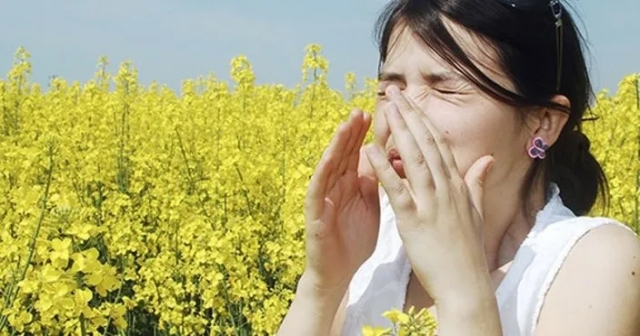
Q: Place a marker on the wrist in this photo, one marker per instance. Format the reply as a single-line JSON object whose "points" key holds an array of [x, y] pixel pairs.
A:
{"points": [[472, 282], [468, 293], [474, 310], [310, 287], [313, 309], [466, 303]]}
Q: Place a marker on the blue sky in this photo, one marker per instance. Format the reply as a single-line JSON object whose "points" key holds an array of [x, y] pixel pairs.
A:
{"points": [[173, 40]]}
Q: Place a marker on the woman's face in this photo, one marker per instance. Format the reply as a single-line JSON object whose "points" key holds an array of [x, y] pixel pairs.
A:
{"points": [[473, 123]]}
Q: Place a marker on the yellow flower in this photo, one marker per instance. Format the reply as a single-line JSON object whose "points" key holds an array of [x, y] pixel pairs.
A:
{"points": [[181, 211], [103, 279], [60, 252], [86, 261], [407, 324], [396, 316], [372, 331], [19, 321]]}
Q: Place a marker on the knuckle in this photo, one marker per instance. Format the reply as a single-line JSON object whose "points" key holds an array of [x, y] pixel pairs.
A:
{"points": [[462, 187], [441, 139], [429, 139], [404, 202], [419, 159], [422, 212], [398, 189], [329, 164]]}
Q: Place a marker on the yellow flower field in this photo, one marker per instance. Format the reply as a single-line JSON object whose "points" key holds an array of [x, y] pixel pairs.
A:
{"points": [[141, 211]]}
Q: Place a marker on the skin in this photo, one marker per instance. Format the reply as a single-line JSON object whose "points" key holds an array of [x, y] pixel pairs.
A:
{"points": [[474, 125], [455, 193]]}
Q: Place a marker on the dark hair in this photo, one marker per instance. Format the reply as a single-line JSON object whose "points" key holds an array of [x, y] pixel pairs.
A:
{"points": [[525, 44]]}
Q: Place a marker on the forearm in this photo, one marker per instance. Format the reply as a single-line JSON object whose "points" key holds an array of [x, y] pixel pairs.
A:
{"points": [[312, 311], [469, 314]]}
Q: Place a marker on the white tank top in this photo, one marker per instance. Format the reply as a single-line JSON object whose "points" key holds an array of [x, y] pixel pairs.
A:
{"points": [[381, 282]]}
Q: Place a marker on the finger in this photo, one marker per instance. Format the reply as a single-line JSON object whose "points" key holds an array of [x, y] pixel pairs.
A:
{"points": [[448, 162], [398, 193], [342, 154], [369, 183], [355, 123], [318, 183], [475, 180], [355, 151], [413, 159], [427, 142]]}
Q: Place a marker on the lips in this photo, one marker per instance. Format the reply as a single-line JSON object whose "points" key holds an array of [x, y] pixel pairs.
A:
{"points": [[393, 154], [396, 162]]}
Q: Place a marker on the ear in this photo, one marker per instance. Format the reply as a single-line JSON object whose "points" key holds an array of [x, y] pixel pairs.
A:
{"points": [[548, 123]]}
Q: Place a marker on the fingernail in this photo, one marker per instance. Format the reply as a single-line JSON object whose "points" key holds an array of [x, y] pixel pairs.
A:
{"points": [[491, 163], [393, 91]]}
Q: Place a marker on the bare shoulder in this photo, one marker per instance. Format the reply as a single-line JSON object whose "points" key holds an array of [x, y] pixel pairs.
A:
{"points": [[597, 290]]}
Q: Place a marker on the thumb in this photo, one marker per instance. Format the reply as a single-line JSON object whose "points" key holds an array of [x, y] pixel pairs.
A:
{"points": [[369, 183], [364, 166], [475, 178]]}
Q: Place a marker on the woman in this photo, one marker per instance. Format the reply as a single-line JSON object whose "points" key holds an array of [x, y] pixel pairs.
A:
{"points": [[485, 182]]}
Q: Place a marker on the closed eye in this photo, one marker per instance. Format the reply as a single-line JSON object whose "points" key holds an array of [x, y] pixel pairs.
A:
{"points": [[447, 91], [464, 90]]}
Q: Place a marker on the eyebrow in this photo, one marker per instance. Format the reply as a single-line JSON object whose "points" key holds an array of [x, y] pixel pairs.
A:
{"points": [[386, 76], [430, 77]]}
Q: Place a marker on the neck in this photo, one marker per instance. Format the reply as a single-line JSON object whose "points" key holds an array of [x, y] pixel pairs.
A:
{"points": [[506, 223]]}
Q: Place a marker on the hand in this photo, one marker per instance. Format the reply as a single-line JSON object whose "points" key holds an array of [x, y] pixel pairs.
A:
{"points": [[342, 210], [439, 214]]}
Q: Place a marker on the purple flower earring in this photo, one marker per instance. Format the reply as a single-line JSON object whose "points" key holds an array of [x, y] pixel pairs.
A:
{"points": [[538, 148]]}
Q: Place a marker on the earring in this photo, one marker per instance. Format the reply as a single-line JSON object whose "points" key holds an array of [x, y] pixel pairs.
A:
{"points": [[538, 148]]}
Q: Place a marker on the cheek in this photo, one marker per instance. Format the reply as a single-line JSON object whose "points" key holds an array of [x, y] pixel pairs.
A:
{"points": [[468, 135], [472, 139], [462, 145]]}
